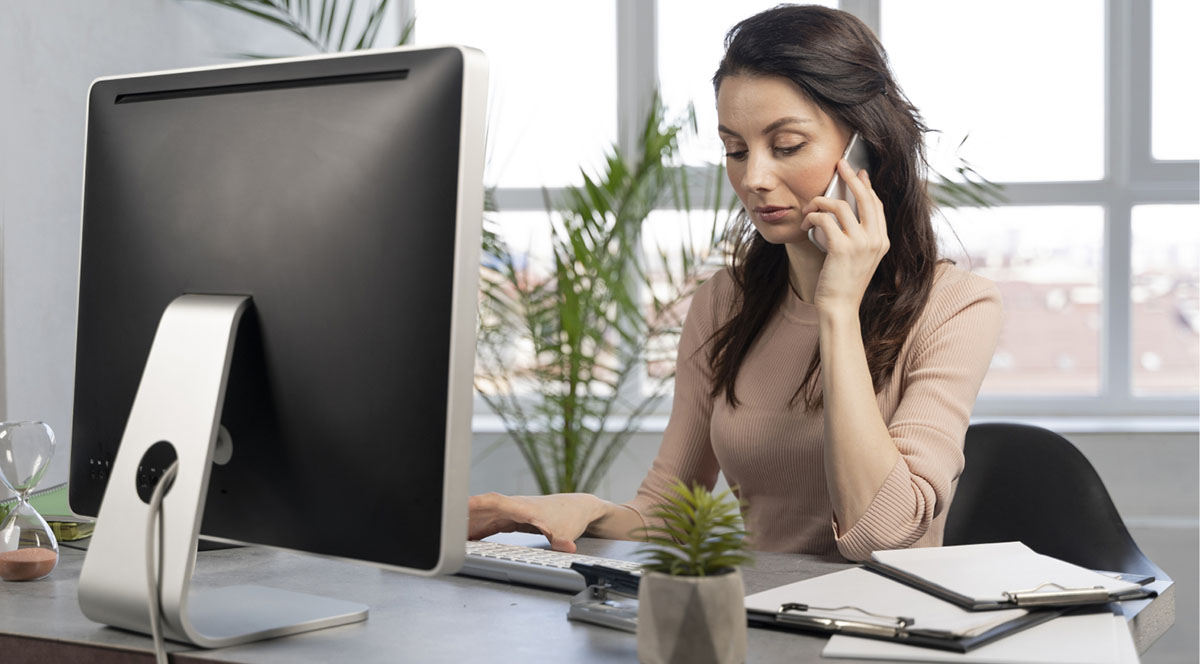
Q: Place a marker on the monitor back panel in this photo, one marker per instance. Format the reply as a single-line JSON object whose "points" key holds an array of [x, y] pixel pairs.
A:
{"points": [[325, 189]]}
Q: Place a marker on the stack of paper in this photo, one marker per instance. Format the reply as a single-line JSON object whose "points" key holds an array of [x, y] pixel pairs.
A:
{"points": [[856, 597], [997, 603], [1003, 574], [1098, 638]]}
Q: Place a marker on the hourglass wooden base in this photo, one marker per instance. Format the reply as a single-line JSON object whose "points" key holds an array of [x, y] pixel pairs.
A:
{"points": [[179, 401]]}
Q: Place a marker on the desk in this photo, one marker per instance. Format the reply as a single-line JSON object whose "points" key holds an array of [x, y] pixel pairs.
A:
{"points": [[413, 619]]}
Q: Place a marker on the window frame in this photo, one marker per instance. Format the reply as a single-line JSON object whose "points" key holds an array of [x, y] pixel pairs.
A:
{"points": [[1132, 177]]}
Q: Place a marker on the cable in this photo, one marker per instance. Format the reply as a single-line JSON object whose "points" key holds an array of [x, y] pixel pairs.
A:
{"points": [[152, 570]]}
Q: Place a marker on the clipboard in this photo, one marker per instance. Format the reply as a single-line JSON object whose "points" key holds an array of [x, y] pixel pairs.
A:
{"points": [[860, 602], [1084, 636], [1002, 575]]}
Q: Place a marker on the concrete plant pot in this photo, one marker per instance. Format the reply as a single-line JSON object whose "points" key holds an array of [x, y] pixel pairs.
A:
{"points": [[691, 619]]}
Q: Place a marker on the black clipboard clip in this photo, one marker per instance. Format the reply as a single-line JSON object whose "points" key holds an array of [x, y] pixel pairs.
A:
{"points": [[610, 598]]}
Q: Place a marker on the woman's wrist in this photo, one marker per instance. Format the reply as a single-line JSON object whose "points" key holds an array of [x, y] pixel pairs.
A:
{"points": [[613, 521], [834, 318]]}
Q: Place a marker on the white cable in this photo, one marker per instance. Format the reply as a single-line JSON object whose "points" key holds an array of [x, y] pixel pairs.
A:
{"points": [[152, 570]]}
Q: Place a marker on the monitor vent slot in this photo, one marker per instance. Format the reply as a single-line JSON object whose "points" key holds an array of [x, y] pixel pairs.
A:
{"points": [[160, 95]]}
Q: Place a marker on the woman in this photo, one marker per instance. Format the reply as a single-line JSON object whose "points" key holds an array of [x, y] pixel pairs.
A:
{"points": [[832, 389]]}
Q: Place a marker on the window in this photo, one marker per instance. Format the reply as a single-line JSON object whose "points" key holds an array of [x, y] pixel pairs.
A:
{"points": [[527, 235], [1046, 263], [1165, 295], [1027, 114], [691, 38], [668, 230], [1175, 134], [553, 71], [1087, 125], [1095, 248]]}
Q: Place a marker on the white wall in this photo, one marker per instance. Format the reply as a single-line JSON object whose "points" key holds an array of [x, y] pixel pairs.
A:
{"points": [[51, 50], [3, 372]]}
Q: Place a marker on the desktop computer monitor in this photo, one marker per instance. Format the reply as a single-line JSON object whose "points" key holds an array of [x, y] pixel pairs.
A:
{"points": [[336, 201]]}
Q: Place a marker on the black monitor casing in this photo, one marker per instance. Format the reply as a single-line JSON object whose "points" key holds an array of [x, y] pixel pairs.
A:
{"points": [[343, 195]]}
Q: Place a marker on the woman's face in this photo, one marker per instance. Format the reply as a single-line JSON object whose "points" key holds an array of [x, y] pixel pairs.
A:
{"points": [[781, 151]]}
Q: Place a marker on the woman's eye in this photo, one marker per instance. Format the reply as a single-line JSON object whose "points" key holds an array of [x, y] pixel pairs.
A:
{"points": [[736, 155], [788, 149]]}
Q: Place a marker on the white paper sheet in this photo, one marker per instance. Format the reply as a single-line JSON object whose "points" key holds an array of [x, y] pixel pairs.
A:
{"points": [[1100, 638], [985, 572], [869, 591]]}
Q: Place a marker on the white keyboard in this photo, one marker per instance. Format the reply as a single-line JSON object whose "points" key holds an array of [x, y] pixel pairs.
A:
{"points": [[533, 566]]}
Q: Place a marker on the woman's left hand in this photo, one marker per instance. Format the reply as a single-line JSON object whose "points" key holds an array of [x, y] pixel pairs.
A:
{"points": [[856, 244]]}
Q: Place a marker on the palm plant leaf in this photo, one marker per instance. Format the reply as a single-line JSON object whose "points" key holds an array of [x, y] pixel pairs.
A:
{"points": [[585, 319], [333, 26], [971, 189]]}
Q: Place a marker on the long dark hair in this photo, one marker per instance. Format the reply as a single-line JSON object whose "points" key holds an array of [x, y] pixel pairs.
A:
{"points": [[840, 65]]}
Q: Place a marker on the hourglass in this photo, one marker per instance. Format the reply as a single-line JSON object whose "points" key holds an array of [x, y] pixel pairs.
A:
{"points": [[28, 549]]}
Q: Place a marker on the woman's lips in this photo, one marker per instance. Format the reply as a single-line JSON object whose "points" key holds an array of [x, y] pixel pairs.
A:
{"points": [[771, 213]]}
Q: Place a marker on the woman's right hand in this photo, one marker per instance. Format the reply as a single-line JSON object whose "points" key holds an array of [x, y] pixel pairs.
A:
{"points": [[561, 517]]}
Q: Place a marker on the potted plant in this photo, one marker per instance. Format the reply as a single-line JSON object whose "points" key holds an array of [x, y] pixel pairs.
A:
{"points": [[690, 598], [598, 325]]}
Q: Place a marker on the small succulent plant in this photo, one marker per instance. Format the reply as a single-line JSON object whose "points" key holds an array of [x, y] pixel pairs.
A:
{"points": [[700, 533]]}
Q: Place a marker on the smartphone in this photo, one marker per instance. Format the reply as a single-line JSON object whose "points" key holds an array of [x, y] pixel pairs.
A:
{"points": [[856, 154]]}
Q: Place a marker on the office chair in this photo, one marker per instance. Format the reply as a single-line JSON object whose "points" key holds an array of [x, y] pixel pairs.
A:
{"points": [[1029, 484]]}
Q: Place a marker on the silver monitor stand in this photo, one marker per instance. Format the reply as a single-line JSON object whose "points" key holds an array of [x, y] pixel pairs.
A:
{"points": [[179, 400]]}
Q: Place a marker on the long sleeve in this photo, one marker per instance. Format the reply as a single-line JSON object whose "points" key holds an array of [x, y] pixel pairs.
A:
{"points": [[772, 448], [939, 381], [686, 452]]}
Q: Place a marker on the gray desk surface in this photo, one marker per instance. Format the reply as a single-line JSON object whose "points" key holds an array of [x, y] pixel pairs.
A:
{"points": [[443, 619]]}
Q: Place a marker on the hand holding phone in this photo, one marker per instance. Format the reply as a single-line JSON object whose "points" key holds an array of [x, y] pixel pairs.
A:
{"points": [[856, 155]]}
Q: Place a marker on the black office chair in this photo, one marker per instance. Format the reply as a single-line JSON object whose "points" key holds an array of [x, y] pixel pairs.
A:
{"points": [[1024, 483]]}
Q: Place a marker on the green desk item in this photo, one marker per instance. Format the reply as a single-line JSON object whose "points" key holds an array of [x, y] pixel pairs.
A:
{"points": [[69, 529]]}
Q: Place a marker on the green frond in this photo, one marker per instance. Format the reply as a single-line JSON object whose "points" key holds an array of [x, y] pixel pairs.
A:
{"points": [[587, 323], [696, 533], [333, 25]]}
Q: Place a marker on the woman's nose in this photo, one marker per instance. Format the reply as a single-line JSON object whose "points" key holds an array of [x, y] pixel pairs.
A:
{"points": [[759, 175]]}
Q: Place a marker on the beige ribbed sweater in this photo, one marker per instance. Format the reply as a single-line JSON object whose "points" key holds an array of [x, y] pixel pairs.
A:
{"points": [[773, 452]]}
